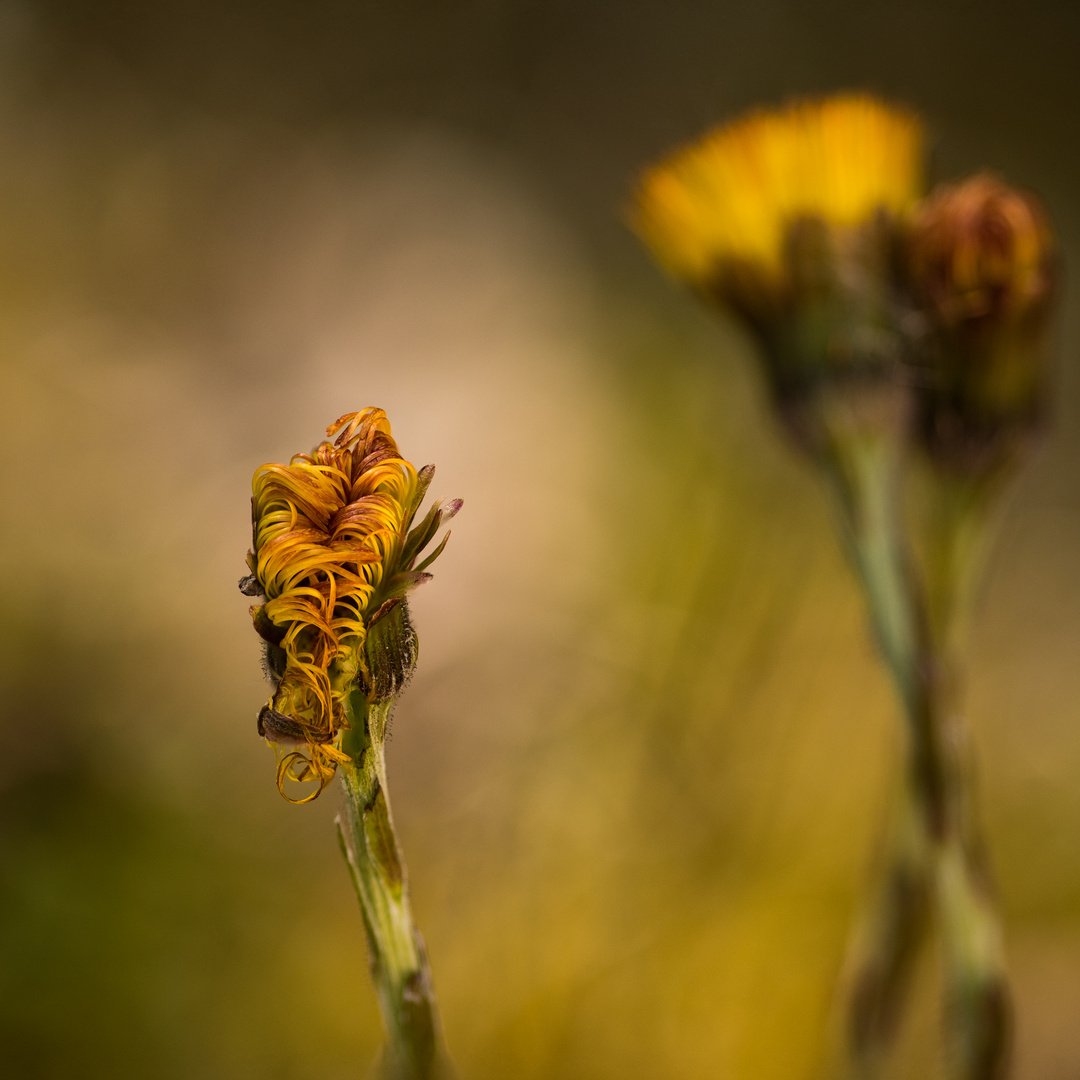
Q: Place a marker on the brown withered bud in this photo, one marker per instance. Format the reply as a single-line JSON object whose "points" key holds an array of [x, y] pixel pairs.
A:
{"points": [[980, 264]]}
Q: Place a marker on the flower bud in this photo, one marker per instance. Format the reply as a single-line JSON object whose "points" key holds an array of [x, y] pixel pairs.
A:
{"points": [[980, 264], [334, 554]]}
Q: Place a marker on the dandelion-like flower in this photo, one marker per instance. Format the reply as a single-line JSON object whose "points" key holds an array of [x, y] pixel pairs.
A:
{"points": [[789, 218], [334, 555], [730, 199]]}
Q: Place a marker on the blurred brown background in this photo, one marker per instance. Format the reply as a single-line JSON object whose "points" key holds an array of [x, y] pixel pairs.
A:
{"points": [[641, 770]]}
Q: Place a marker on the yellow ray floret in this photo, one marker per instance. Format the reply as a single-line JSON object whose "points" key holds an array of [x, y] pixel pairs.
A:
{"points": [[732, 195], [330, 544]]}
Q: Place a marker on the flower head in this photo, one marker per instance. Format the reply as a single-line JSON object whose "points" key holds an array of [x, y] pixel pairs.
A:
{"points": [[730, 199], [332, 555], [980, 263], [789, 218]]}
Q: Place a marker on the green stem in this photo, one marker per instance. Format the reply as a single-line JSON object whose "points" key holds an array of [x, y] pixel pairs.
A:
{"points": [[977, 996], [891, 940], [959, 533], [976, 984], [935, 860], [863, 471], [862, 468], [399, 965]]}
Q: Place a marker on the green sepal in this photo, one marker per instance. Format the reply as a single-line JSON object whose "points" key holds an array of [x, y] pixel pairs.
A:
{"points": [[423, 482], [432, 557], [421, 535], [441, 511], [404, 582]]}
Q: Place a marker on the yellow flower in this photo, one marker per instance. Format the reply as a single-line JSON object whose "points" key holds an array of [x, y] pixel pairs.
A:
{"points": [[332, 553], [729, 200]]}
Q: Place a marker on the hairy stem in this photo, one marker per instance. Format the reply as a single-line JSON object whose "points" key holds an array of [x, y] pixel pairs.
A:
{"points": [[399, 966]]}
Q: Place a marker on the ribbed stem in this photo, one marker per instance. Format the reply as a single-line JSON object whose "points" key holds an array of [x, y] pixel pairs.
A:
{"points": [[399, 966]]}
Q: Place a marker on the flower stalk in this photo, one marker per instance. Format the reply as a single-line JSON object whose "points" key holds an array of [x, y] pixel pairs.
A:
{"points": [[805, 222], [936, 863], [399, 965], [335, 553]]}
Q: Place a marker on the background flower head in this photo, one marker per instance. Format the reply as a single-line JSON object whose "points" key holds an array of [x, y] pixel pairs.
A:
{"points": [[731, 197]]}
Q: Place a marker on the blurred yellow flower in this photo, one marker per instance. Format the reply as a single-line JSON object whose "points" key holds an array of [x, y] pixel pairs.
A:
{"points": [[731, 197], [331, 551]]}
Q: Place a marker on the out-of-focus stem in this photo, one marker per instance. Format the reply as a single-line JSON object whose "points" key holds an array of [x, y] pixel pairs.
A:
{"points": [[936, 859], [862, 468], [980, 1018], [960, 531], [890, 941], [399, 965], [979, 1012]]}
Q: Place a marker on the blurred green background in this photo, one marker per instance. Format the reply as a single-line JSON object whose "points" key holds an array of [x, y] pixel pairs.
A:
{"points": [[641, 771]]}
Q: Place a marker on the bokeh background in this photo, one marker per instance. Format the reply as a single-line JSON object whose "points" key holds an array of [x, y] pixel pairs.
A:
{"points": [[641, 771]]}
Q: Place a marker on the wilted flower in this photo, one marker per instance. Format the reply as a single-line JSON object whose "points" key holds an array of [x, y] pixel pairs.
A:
{"points": [[980, 261], [333, 555], [789, 218]]}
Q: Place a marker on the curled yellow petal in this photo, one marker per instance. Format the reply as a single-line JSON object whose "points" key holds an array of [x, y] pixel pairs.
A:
{"points": [[328, 531]]}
